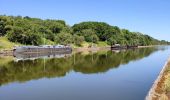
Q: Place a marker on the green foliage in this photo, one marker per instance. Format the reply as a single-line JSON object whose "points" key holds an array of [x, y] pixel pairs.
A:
{"points": [[4, 22], [54, 26], [78, 40], [101, 29], [6, 44], [64, 38], [17, 34], [31, 31], [102, 44], [89, 35], [115, 35], [2, 27]]}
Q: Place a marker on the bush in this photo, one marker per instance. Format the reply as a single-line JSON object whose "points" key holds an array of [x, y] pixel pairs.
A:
{"points": [[64, 38]]}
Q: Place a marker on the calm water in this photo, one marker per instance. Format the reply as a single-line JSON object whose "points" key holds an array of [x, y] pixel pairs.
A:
{"points": [[103, 75]]}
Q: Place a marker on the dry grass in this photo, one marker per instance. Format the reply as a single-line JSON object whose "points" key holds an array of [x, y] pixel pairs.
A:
{"points": [[163, 87]]}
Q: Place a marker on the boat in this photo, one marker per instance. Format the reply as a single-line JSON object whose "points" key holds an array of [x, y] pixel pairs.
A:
{"points": [[119, 47], [42, 49]]}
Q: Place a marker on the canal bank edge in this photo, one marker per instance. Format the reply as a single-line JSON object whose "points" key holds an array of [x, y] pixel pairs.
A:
{"points": [[156, 93], [79, 49]]}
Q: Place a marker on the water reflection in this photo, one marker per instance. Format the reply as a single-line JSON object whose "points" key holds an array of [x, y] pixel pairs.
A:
{"points": [[33, 56], [86, 63]]}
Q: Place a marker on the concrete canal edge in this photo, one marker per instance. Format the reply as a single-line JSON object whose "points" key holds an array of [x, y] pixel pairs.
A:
{"points": [[152, 92]]}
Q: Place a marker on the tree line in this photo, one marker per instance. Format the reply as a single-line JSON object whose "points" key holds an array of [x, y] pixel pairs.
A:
{"points": [[35, 31]]}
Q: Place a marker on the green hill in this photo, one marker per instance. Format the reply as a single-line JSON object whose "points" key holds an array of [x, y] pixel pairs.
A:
{"points": [[35, 31]]}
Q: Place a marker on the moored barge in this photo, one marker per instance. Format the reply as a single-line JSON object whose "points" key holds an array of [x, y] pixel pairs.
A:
{"points": [[42, 49], [119, 47]]}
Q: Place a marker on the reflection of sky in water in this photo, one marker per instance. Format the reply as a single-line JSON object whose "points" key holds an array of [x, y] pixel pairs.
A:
{"points": [[130, 81]]}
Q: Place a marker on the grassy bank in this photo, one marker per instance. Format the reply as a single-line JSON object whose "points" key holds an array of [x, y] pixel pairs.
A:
{"points": [[6, 44], [90, 44], [161, 87]]}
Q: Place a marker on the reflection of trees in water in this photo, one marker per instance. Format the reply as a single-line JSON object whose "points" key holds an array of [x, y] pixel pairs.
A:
{"points": [[102, 63], [90, 63]]}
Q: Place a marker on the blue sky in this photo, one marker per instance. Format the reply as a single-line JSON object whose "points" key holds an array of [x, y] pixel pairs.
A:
{"points": [[150, 17]]}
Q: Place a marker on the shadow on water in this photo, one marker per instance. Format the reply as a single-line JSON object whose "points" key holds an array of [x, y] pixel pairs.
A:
{"points": [[86, 63]]}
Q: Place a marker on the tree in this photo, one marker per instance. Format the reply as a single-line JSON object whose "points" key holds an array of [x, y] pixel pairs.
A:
{"points": [[64, 38], [17, 34], [90, 35], [27, 30], [54, 26], [78, 40], [2, 28]]}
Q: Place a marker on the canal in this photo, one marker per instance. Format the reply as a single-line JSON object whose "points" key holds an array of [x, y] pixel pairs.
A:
{"points": [[101, 75]]}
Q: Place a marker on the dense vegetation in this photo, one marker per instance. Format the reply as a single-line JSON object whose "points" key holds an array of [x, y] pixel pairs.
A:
{"points": [[34, 31]]}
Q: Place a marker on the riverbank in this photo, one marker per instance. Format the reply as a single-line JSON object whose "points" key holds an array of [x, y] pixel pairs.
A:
{"points": [[147, 46], [161, 87], [81, 49], [5, 44], [7, 52]]}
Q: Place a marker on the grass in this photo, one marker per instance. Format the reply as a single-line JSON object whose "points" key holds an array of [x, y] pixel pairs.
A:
{"points": [[87, 44], [102, 44], [6, 44], [163, 87], [48, 42], [166, 86]]}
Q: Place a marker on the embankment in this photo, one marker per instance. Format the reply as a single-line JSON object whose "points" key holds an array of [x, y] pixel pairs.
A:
{"points": [[79, 49], [160, 90], [82, 49]]}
